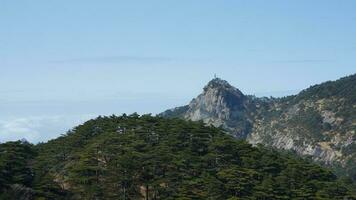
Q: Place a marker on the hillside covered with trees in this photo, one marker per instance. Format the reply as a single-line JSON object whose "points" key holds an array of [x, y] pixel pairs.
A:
{"points": [[145, 157]]}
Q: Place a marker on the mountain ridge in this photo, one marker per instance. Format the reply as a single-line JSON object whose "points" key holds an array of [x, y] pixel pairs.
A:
{"points": [[318, 122]]}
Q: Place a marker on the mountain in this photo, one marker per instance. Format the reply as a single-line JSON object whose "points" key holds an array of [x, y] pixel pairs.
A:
{"points": [[146, 157], [319, 121], [220, 105]]}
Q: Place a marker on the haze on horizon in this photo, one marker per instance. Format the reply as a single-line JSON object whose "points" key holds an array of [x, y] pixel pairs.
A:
{"points": [[64, 62]]}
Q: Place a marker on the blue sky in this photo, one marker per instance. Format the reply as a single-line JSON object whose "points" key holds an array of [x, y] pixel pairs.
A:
{"points": [[62, 62]]}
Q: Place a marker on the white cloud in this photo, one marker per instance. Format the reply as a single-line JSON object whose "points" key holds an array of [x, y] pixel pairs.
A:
{"points": [[39, 128]]}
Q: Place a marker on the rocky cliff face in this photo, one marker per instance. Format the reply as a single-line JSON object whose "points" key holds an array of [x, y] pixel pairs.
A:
{"points": [[319, 122], [307, 128], [221, 104]]}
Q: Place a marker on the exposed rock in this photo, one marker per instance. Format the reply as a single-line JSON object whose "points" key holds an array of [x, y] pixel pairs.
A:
{"points": [[318, 122], [220, 104]]}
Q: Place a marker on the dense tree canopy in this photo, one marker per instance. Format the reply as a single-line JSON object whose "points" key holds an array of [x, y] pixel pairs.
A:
{"points": [[145, 157]]}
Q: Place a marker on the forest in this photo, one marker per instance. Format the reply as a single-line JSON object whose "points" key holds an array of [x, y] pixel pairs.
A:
{"points": [[147, 157]]}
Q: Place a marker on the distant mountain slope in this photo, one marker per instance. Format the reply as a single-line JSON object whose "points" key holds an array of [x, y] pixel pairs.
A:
{"points": [[320, 121], [133, 157]]}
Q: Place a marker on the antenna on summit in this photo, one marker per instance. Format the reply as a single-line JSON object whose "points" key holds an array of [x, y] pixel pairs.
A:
{"points": [[215, 76]]}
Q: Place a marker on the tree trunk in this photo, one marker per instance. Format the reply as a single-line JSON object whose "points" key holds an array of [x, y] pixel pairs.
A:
{"points": [[147, 192]]}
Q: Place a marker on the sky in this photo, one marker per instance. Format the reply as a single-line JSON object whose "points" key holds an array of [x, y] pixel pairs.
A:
{"points": [[63, 62]]}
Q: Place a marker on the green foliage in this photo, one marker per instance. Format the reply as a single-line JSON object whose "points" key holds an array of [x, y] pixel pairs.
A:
{"points": [[343, 88], [311, 122], [16, 174], [145, 157]]}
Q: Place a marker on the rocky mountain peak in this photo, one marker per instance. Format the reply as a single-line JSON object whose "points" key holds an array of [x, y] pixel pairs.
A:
{"points": [[219, 87], [223, 86], [217, 82], [220, 102]]}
